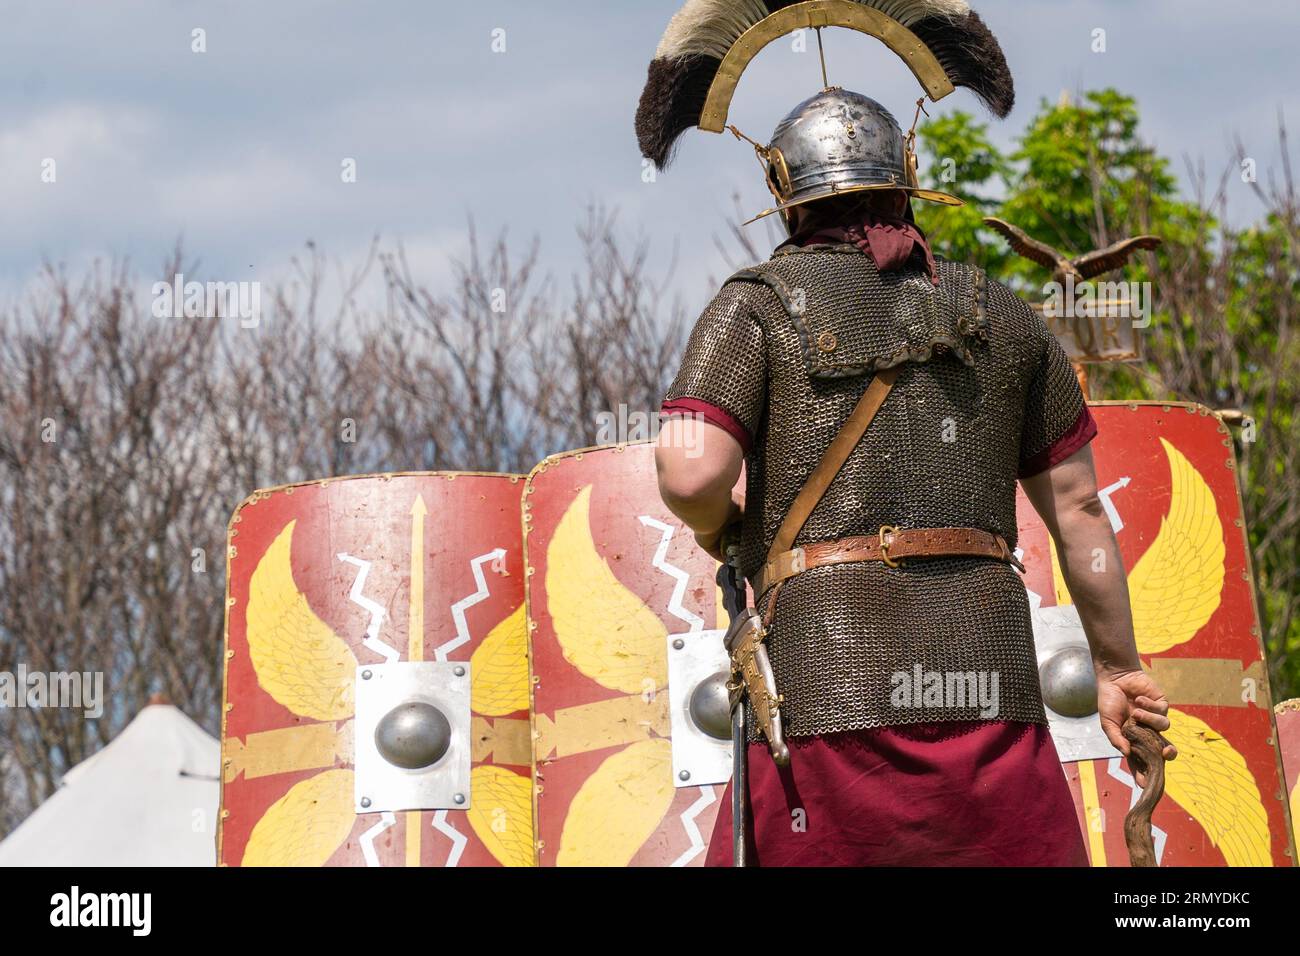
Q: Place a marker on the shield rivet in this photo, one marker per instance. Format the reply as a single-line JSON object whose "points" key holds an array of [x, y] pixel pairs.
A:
{"points": [[459, 671], [684, 776], [365, 801], [366, 675], [710, 706], [459, 798], [413, 735], [678, 644]]}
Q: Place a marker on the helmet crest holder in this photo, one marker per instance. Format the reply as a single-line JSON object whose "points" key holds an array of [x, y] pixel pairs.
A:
{"points": [[710, 43]]}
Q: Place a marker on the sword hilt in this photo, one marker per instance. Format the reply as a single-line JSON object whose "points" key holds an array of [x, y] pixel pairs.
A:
{"points": [[730, 580]]}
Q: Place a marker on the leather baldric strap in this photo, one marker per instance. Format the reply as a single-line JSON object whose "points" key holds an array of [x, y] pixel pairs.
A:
{"points": [[837, 454], [841, 447], [893, 546]]}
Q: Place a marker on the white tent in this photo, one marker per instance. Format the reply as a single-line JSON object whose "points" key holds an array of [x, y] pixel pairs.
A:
{"points": [[147, 799]]}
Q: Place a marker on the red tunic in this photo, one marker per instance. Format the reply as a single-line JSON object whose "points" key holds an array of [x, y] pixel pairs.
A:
{"points": [[986, 793]]}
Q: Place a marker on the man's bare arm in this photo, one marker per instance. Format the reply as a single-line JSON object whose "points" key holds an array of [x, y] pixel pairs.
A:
{"points": [[1065, 497], [698, 465]]}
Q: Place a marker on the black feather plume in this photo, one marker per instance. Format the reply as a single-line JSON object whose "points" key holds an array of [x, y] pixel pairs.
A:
{"points": [[671, 103], [969, 53], [678, 82]]}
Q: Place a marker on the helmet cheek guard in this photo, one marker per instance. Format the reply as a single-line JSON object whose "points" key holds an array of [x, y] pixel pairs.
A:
{"points": [[778, 183]]}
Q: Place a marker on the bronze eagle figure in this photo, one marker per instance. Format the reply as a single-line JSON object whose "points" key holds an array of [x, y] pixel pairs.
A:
{"points": [[1081, 267]]}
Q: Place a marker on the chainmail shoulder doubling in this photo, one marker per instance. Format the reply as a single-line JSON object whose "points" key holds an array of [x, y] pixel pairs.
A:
{"points": [[864, 645]]}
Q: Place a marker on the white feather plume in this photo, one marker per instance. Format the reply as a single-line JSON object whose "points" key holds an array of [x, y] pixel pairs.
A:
{"points": [[713, 26], [708, 26]]}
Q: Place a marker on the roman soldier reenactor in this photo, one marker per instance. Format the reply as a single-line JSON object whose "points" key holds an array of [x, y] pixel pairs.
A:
{"points": [[884, 402]]}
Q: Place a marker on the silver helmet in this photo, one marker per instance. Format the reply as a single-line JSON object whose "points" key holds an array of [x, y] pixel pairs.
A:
{"points": [[839, 142]]}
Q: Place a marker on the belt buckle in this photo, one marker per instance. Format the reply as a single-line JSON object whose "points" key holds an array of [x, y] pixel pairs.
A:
{"points": [[884, 547]]}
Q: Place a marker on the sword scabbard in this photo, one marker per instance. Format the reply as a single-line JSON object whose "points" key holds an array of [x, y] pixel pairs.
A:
{"points": [[752, 677]]}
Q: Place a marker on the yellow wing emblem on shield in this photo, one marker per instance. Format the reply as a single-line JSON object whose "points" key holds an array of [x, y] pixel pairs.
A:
{"points": [[1177, 584], [1212, 782], [501, 814], [299, 660], [604, 629], [499, 666], [306, 825], [619, 806]]}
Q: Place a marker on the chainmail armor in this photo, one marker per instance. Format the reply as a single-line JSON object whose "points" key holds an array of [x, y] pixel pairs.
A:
{"points": [[787, 348]]}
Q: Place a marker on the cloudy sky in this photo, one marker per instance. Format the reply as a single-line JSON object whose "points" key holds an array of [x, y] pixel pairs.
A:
{"points": [[237, 151]]}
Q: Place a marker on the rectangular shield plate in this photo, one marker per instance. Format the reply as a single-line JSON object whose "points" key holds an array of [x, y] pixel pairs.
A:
{"points": [[1076, 738], [380, 688], [698, 759]]}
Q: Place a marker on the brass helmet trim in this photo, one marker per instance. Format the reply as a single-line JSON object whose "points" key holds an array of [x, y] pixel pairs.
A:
{"points": [[930, 195], [815, 14], [840, 142], [778, 175]]}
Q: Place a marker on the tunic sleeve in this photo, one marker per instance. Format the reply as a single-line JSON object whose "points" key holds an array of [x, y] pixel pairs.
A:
{"points": [[1057, 422], [723, 375]]}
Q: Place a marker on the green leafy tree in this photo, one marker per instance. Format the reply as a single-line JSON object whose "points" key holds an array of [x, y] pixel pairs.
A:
{"points": [[959, 158]]}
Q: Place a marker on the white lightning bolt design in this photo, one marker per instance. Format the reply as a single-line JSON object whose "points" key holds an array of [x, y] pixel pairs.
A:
{"points": [[458, 609], [1116, 522], [675, 606], [376, 610], [457, 838], [706, 799], [367, 840]]}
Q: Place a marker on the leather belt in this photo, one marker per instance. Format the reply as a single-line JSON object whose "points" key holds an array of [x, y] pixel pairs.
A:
{"points": [[893, 546]]}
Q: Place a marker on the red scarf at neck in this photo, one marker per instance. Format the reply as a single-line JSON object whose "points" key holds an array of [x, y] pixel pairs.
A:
{"points": [[888, 240]]}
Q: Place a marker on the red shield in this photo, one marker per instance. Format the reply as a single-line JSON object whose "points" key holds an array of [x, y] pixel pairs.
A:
{"points": [[594, 522], [321, 580], [1169, 481], [327, 576], [611, 574]]}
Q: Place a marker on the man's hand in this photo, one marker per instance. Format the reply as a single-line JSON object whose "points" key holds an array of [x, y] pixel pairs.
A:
{"points": [[711, 541], [1066, 498], [1132, 694]]}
